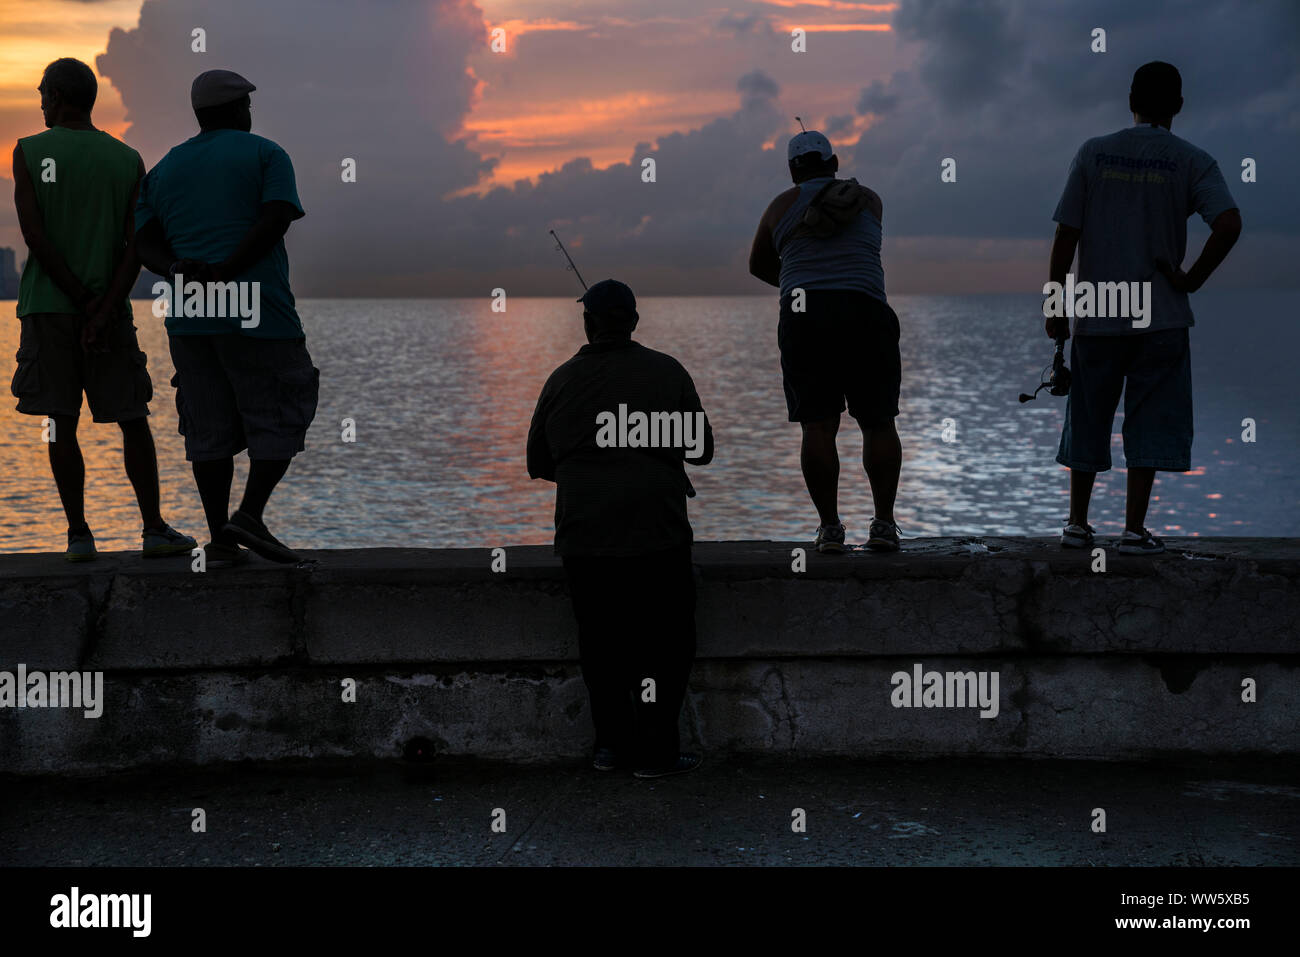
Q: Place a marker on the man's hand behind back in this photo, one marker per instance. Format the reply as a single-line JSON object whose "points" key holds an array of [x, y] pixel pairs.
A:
{"points": [[1177, 278]]}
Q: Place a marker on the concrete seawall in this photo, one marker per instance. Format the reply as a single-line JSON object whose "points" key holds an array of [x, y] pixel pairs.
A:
{"points": [[1147, 658]]}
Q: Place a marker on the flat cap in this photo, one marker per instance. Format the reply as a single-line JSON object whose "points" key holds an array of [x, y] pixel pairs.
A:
{"points": [[216, 87]]}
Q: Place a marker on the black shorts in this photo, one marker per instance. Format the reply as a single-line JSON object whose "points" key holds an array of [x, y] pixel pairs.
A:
{"points": [[843, 349]]}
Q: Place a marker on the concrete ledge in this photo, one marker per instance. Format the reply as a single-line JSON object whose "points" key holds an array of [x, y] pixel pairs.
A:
{"points": [[1147, 657]]}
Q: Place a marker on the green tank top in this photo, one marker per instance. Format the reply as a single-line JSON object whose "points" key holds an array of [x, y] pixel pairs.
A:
{"points": [[85, 197]]}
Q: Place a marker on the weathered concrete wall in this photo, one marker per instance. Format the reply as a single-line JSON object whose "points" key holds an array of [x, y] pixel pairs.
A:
{"points": [[1145, 658]]}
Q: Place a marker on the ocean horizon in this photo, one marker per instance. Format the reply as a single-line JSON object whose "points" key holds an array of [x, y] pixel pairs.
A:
{"points": [[440, 393]]}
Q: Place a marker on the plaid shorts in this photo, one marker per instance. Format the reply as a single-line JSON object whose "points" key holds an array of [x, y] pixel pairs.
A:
{"points": [[238, 392]]}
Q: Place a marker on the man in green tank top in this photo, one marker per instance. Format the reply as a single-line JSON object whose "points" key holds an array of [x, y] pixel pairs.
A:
{"points": [[74, 190]]}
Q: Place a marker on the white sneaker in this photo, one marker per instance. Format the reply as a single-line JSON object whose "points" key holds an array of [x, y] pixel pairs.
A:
{"points": [[1077, 536]]}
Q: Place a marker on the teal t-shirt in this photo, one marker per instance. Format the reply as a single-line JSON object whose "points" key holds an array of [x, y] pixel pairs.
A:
{"points": [[207, 193]]}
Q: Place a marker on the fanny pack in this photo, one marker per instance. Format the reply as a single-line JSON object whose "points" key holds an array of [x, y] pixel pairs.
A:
{"points": [[836, 204]]}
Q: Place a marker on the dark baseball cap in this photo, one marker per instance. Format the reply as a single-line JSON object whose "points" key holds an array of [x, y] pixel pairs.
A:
{"points": [[609, 295]]}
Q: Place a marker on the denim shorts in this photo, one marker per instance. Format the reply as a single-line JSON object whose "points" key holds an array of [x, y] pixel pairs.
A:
{"points": [[1153, 370], [235, 392]]}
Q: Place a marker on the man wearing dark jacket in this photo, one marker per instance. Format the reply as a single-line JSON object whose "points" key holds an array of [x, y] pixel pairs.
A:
{"points": [[613, 428]]}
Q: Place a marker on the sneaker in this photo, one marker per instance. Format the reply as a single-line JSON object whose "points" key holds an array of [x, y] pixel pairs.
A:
{"points": [[81, 546], [217, 555], [165, 541], [684, 763], [606, 759], [883, 536], [1145, 544], [1076, 536], [830, 538], [249, 531]]}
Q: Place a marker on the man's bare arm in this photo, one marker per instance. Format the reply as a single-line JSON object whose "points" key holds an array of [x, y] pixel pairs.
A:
{"points": [[102, 308], [1224, 232], [272, 223], [1063, 247], [128, 269], [152, 249], [764, 263], [32, 226]]}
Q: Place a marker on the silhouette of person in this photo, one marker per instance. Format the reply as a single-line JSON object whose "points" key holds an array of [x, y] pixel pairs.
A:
{"points": [[621, 527], [74, 189], [819, 243], [215, 210], [1127, 198]]}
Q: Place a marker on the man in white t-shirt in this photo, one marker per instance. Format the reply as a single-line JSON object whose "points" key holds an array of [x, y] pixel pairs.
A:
{"points": [[1127, 199]]}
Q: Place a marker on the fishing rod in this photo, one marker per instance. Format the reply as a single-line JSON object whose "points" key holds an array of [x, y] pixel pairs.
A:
{"points": [[560, 246]]}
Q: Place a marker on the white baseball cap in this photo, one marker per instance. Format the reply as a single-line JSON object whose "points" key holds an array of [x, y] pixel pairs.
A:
{"points": [[809, 141]]}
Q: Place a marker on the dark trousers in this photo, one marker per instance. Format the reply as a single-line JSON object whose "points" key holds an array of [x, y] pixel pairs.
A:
{"points": [[636, 620]]}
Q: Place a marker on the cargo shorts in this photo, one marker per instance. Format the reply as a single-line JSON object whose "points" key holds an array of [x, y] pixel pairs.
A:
{"points": [[54, 371], [236, 392]]}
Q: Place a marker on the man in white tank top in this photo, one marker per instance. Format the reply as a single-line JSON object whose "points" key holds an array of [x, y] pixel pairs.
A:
{"points": [[819, 243]]}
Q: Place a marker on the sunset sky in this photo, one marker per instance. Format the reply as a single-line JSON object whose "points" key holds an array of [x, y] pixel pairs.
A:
{"points": [[466, 156]]}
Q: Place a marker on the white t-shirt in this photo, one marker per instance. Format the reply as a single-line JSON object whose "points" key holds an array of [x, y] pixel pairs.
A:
{"points": [[1131, 194]]}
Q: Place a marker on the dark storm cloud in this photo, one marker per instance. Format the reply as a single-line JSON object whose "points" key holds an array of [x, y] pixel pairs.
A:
{"points": [[1008, 89], [682, 232], [1011, 90], [875, 99], [387, 88], [757, 86], [743, 24]]}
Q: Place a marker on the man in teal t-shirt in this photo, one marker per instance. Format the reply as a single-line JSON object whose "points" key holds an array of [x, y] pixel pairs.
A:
{"points": [[74, 189], [212, 217]]}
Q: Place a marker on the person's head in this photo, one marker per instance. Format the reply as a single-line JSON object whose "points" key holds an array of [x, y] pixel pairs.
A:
{"points": [[609, 311], [221, 102], [1156, 95], [809, 155], [68, 89]]}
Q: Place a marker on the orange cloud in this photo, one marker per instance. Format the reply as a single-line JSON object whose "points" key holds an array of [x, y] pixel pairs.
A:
{"points": [[839, 27], [518, 27], [835, 5], [546, 134], [37, 32]]}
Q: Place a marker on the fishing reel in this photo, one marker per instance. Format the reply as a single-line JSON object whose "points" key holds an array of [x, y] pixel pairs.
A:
{"points": [[1057, 381]]}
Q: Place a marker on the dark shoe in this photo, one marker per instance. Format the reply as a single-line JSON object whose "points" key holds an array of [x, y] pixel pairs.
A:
{"points": [[249, 531], [81, 546], [606, 759], [883, 536], [684, 763], [216, 555], [830, 538], [1145, 544], [158, 542]]}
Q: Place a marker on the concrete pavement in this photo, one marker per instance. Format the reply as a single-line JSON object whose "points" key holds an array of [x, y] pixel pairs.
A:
{"points": [[733, 811]]}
